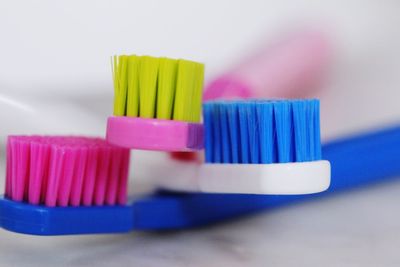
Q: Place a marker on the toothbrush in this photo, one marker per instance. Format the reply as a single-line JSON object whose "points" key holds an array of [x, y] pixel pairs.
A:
{"points": [[157, 104], [256, 147], [356, 161]]}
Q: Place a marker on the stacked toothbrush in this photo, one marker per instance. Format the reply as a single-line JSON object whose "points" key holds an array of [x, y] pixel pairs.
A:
{"points": [[256, 147]]}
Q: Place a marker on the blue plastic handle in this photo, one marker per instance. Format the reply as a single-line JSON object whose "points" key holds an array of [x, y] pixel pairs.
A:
{"points": [[355, 161]]}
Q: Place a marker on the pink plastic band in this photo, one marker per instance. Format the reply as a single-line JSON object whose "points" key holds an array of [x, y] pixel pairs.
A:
{"points": [[154, 134]]}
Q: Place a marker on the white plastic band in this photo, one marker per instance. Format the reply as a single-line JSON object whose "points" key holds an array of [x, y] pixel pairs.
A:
{"points": [[269, 179]]}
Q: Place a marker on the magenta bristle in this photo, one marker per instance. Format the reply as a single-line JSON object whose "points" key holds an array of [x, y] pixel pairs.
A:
{"points": [[8, 171], [103, 174], [66, 171], [90, 176]]}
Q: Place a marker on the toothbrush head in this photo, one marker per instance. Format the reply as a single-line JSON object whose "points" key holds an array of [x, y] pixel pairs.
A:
{"points": [[157, 103], [66, 171], [263, 147]]}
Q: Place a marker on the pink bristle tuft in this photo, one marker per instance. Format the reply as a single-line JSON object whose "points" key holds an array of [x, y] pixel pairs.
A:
{"points": [[90, 177], [102, 175], [64, 171], [39, 162], [114, 174], [8, 170], [77, 183]]}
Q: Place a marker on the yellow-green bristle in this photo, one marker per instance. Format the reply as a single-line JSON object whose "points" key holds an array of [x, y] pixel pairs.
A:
{"points": [[148, 74], [162, 88], [132, 105], [189, 84], [166, 87], [197, 92], [119, 66]]}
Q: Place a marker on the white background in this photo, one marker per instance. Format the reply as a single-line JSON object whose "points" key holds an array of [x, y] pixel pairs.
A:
{"points": [[55, 78]]}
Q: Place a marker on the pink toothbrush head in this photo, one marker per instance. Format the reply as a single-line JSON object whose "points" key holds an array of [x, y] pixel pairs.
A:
{"points": [[66, 170]]}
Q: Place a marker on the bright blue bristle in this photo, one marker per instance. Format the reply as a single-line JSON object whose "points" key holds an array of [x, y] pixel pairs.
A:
{"points": [[217, 134], [317, 131], [225, 135], [265, 114], [253, 132], [262, 131], [243, 133], [208, 132], [234, 135], [284, 130], [301, 116]]}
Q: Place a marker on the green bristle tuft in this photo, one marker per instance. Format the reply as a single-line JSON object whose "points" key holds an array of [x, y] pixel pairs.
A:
{"points": [[148, 74], [188, 91], [197, 92], [119, 65], [162, 88], [132, 108], [166, 87]]}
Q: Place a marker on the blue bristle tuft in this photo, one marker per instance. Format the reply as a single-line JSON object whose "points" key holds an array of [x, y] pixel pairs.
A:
{"points": [[208, 132], [216, 134], [225, 134], [243, 133], [234, 135], [253, 133], [317, 131], [265, 115], [284, 130], [302, 134], [262, 131]]}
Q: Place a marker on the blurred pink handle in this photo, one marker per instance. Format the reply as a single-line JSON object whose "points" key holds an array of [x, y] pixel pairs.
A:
{"points": [[289, 68]]}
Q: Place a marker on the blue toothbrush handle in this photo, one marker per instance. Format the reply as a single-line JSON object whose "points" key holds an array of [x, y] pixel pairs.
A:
{"points": [[355, 161], [363, 159]]}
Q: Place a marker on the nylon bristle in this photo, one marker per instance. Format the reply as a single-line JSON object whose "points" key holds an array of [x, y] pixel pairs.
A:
{"points": [[161, 88], [66, 171], [262, 131]]}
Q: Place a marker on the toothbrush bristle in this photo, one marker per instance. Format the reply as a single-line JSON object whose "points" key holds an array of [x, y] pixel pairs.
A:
{"points": [[262, 131], [66, 171], [161, 88]]}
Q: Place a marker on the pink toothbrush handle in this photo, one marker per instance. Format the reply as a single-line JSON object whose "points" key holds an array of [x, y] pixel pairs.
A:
{"points": [[289, 68]]}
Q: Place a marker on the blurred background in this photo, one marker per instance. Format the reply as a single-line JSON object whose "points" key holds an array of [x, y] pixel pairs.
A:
{"points": [[55, 77]]}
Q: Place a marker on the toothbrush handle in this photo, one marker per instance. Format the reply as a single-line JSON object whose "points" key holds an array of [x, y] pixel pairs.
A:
{"points": [[355, 161], [286, 69], [363, 159]]}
